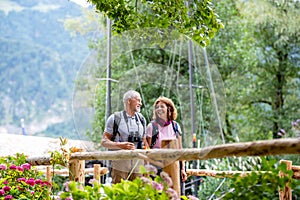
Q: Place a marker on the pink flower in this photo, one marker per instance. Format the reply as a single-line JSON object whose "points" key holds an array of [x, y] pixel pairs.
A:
{"points": [[5, 182], [2, 167], [19, 168], [8, 197], [91, 181], [157, 186], [172, 194], [6, 188], [13, 167], [2, 192], [26, 166], [21, 179], [145, 180], [167, 179], [30, 182], [67, 186], [151, 169], [164, 175], [38, 181], [46, 183], [294, 123]]}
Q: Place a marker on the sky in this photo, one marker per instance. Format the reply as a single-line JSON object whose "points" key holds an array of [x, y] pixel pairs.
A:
{"points": [[83, 3]]}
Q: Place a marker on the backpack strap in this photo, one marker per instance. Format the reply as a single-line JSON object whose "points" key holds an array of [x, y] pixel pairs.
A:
{"points": [[117, 119], [143, 121], [175, 128], [154, 133]]}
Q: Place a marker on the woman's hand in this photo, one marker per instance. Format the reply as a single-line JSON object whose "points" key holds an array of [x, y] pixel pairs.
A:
{"points": [[183, 175]]}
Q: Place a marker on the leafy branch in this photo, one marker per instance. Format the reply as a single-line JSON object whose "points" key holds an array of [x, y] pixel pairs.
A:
{"points": [[197, 20]]}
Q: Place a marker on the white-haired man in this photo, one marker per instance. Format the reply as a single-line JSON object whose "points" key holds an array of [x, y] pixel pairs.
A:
{"points": [[126, 130]]}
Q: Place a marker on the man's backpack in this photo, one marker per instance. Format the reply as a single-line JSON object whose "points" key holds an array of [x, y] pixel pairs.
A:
{"points": [[117, 119], [155, 132]]}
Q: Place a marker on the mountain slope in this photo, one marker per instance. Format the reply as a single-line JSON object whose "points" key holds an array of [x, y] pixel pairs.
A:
{"points": [[38, 65]]}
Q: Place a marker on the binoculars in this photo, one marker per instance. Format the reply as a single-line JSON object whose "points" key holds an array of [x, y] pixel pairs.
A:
{"points": [[134, 137]]}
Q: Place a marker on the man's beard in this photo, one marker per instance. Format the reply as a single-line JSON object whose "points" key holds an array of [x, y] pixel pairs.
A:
{"points": [[137, 109]]}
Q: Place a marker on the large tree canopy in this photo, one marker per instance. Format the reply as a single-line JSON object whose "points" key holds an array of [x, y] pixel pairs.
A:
{"points": [[258, 57], [195, 19]]}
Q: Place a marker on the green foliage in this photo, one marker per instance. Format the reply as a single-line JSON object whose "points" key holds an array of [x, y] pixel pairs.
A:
{"points": [[260, 185], [58, 160], [62, 156], [258, 58], [18, 180], [214, 187], [58, 183], [157, 188], [150, 89], [136, 189], [197, 20]]}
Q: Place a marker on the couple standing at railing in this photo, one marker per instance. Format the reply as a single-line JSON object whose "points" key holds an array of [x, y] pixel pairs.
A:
{"points": [[127, 130]]}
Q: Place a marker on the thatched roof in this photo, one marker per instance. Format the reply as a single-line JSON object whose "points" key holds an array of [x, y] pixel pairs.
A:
{"points": [[10, 144]]}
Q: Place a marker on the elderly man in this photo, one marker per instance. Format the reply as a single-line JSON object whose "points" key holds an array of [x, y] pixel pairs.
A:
{"points": [[126, 130]]}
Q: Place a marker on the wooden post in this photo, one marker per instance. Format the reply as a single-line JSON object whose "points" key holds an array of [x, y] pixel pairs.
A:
{"points": [[76, 171], [97, 172], [49, 176], [286, 193], [172, 168]]}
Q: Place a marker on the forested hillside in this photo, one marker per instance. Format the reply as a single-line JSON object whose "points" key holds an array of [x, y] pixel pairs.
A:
{"points": [[38, 64]]}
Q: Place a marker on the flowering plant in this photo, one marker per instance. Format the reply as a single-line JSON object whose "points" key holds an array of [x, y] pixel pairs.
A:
{"points": [[148, 186], [18, 180], [295, 130], [62, 156]]}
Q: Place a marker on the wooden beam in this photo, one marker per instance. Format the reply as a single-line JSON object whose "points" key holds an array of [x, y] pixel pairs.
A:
{"points": [[76, 171], [296, 170], [172, 169], [256, 148], [103, 170], [219, 174]]}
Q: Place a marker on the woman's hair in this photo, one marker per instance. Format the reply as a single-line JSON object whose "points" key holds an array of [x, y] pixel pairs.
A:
{"points": [[172, 111]]}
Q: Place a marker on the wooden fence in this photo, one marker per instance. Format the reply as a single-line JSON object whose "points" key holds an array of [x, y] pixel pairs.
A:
{"points": [[257, 148], [97, 171], [285, 194]]}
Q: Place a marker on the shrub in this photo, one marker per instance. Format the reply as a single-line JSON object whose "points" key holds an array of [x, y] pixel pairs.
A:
{"points": [[18, 180], [145, 187], [263, 184]]}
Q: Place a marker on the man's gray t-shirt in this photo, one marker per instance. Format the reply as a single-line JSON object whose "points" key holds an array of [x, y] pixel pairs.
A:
{"points": [[133, 125]]}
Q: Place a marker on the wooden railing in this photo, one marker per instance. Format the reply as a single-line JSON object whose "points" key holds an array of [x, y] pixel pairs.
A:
{"points": [[285, 194], [257, 148], [229, 174], [243, 149], [97, 171]]}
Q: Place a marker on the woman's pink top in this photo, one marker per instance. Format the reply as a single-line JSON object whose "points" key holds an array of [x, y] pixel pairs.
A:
{"points": [[165, 132]]}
